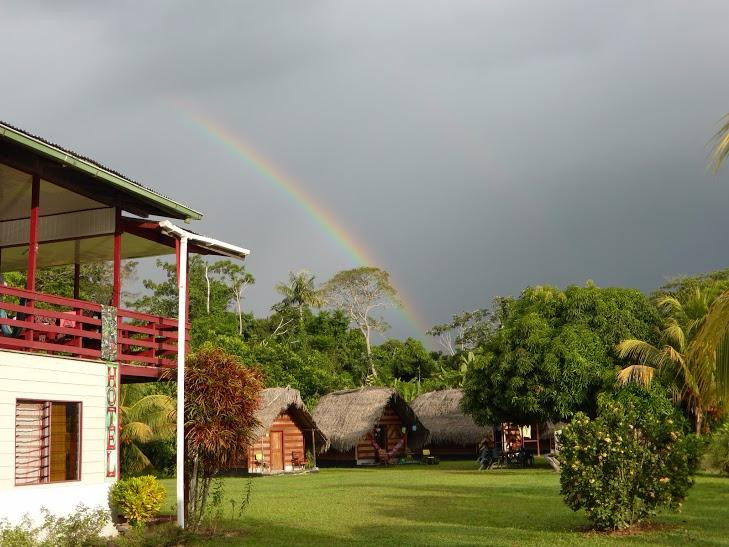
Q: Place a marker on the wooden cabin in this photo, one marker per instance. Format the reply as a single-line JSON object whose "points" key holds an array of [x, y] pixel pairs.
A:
{"points": [[63, 357], [366, 426], [286, 433], [452, 432]]}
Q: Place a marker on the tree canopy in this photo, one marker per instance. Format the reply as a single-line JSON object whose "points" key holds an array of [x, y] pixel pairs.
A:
{"points": [[553, 351], [359, 293]]}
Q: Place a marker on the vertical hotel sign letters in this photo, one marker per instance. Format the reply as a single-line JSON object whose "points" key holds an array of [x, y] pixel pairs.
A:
{"points": [[108, 354], [112, 416]]}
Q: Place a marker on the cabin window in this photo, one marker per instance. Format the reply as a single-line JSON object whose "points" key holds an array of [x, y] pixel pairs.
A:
{"points": [[47, 442]]}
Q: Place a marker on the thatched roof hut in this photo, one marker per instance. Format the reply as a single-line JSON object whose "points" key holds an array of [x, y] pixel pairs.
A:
{"points": [[348, 416], [275, 401], [440, 412]]}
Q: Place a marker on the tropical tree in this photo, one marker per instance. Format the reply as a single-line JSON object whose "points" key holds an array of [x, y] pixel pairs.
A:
{"points": [[299, 293], [145, 416], [688, 372], [237, 279], [464, 332], [712, 342], [553, 352], [358, 293], [406, 360], [161, 297], [221, 398]]}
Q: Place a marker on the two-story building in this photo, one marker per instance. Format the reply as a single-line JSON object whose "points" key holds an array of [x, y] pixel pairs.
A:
{"points": [[63, 359]]}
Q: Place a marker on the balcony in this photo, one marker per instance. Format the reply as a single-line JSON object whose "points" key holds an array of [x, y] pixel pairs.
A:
{"points": [[143, 344], [59, 208]]}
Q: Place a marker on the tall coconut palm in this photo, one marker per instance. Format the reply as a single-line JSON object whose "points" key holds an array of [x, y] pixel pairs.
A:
{"points": [[144, 417], [691, 373], [712, 342], [300, 293]]}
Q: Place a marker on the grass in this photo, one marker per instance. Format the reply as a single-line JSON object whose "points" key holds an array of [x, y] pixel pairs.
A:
{"points": [[449, 504]]}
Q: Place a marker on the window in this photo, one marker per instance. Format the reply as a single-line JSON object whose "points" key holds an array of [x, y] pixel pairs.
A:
{"points": [[47, 442]]}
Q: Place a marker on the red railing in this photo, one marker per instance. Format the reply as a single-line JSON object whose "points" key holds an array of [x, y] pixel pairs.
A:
{"points": [[58, 325]]}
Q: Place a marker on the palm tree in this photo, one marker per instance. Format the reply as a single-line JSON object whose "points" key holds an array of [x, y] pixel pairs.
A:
{"points": [[144, 417], [695, 340], [300, 292], [690, 373], [712, 342]]}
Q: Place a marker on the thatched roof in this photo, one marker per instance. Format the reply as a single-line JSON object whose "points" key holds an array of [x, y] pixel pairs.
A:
{"points": [[346, 417], [275, 401], [441, 413]]}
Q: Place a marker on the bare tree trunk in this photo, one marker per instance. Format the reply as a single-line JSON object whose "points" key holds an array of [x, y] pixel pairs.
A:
{"points": [[192, 493], [203, 501], [370, 362], [240, 314], [699, 421], [207, 281]]}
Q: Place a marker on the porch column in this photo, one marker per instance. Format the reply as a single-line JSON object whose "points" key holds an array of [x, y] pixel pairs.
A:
{"points": [[181, 346], [116, 292], [33, 236]]}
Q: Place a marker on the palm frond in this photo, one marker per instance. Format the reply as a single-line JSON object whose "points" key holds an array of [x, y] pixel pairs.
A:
{"points": [[722, 369], [720, 143], [136, 432], [668, 303], [134, 460], [639, 374], [709, 344], [640, 351], [673, 356], [674, 334]]}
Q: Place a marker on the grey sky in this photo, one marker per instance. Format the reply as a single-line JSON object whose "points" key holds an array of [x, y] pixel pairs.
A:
{"points": [[473, 147]]}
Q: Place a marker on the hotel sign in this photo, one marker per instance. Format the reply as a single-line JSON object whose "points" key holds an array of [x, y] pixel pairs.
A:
{"points": [[112, 420]]}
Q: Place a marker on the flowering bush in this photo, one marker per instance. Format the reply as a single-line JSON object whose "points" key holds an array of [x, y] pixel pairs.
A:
{"points": [[139, 499], [629, 461]]}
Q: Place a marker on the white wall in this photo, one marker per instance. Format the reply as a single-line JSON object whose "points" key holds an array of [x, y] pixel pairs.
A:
{"points": [[29, 376]]}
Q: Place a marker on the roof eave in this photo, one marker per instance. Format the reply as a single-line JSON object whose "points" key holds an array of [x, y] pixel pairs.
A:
{"points": [[178, 210]]}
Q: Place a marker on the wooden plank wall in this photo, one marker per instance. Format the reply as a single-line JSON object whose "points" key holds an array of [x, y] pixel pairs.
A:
{"points": [[293, 441], [390, 420], [47, 378]]}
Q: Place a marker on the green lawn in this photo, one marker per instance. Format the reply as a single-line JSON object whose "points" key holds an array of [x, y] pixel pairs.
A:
{"points": [[449, 504]]}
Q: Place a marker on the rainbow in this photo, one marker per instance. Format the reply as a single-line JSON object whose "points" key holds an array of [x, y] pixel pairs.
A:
{"points": [[296, 192]]}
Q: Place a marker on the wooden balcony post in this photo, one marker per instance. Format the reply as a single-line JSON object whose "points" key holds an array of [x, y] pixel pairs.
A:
{"points": [[116, 293], [33, 236], [32, 248], [77, 269]]}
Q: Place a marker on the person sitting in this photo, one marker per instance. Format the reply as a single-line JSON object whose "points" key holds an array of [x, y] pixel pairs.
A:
{"points": [[7, 330]]}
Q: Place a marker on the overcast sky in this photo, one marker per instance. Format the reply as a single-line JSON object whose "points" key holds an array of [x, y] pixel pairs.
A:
{"points": [[473, 148]]}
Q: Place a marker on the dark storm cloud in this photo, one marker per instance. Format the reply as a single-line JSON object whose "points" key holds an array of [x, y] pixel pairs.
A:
{"points": [[473, 147]]}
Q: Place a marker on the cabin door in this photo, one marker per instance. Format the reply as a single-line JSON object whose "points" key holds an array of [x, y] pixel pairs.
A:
{"points": [[277, 454]]}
